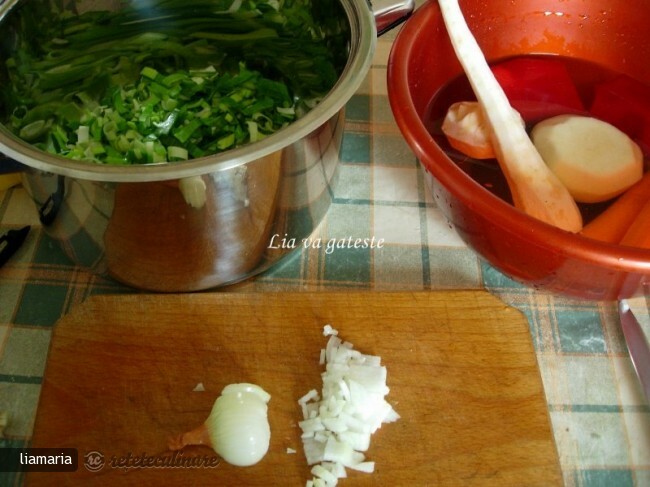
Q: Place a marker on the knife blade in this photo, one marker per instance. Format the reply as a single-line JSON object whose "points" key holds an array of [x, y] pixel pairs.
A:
{"points": [[637, 345]]}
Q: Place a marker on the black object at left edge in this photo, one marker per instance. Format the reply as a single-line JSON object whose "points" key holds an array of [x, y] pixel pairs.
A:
{"points": [[10, 242]]}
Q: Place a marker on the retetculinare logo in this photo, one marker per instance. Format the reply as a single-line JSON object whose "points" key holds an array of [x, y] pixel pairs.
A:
{"points": [[94, 461]]}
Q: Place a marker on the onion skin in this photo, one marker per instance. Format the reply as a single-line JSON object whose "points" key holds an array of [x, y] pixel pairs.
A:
{"points": [[197, 436]]}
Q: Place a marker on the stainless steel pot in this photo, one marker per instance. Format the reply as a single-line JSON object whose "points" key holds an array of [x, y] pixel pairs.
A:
{"points": [[210, 221]]}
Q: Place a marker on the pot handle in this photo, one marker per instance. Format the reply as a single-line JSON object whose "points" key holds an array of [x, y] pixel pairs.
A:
{"points": [[391, 13]]}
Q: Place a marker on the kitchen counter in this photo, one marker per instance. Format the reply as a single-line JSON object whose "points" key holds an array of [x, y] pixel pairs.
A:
{"points": [[600, 420]]}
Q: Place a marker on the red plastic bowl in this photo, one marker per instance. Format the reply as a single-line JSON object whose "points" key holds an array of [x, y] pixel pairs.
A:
{"points": [[422, 61]]}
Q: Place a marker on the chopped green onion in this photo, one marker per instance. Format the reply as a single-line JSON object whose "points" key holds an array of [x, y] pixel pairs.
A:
{"points": [[226, 142], [148, 72], [135, 86], [252, 131], [33, 130], [83, 134], [186, 131], [177, 153]]}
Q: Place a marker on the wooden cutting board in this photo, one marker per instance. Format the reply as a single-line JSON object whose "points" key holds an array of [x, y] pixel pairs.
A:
{"points": [[461, 369]]}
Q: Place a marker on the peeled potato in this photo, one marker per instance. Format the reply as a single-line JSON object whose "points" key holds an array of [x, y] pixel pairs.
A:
{"points": [[593, 159]]}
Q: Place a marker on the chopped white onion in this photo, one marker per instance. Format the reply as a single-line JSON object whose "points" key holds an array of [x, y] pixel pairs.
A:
{"points": [[359, 441], [336, 468], [311, 425], [322, 473], [367, 467], [341, 452], [311, 395], [328, 330], [337, 424]]}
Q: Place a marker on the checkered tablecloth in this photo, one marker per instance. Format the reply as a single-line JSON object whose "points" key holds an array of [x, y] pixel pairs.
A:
{"points": [[600, 420]]}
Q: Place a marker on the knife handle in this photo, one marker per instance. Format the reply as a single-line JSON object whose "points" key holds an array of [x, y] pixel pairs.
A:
{"points": [[10, 242]]}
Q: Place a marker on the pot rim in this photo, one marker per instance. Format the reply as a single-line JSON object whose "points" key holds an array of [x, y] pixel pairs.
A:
{"points": [[363, 38], [472, 194]]}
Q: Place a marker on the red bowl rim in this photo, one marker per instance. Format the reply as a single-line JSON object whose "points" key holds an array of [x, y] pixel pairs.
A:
{"points": [[471, 193]]}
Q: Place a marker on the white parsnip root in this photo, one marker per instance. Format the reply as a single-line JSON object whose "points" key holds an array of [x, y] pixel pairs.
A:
{"points": [[535, 189]]}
